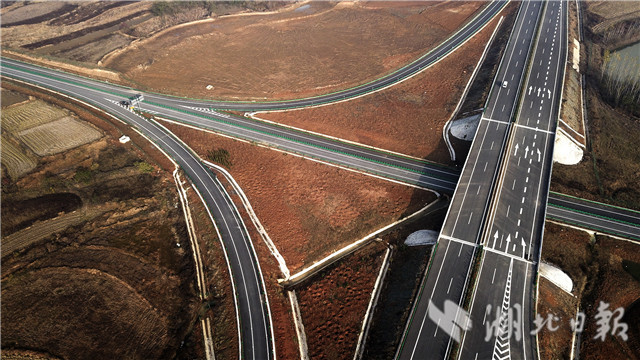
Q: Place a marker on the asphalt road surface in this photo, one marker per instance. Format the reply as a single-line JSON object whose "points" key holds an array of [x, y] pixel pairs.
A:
{"points": [[513, 237], [379, 163], [249, 291], [429, 333]]}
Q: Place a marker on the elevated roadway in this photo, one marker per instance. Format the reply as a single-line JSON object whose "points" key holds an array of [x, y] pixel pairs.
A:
{"points": [[503, 298]]}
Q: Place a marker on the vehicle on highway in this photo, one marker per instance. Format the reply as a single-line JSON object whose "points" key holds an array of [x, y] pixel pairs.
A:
{"points": [[504, 84]]}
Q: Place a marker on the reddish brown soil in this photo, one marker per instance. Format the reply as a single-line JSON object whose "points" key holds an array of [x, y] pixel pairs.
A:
{"points": [[562, 307], [309, 209], [333, 305], [598, 275], [407, 118], [290, 54]]}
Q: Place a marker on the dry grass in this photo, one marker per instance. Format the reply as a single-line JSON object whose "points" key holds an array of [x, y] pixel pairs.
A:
{"points": [[334, 303], [612, 12], [407, 118], [57, 136], [25, 116], [116, 286], [309, 209], [291, 53], [29, 12]]}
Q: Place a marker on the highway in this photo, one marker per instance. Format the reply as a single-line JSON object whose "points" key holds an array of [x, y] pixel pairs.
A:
{"points": [[505, 287], [429, 335], [472, 200], [386, 165], [249, 291]]}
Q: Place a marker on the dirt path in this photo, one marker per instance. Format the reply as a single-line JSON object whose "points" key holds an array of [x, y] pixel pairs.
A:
{"points": [[41, 230]]}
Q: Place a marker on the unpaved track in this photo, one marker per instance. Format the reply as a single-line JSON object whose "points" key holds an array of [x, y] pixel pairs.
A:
{"points": [[41, 230]]}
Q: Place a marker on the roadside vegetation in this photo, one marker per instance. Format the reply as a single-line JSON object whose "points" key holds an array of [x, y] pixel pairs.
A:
{"points": [[611, 163]]}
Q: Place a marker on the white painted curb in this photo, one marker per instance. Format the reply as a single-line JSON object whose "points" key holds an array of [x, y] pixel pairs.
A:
{"points": [[297, 320], [447, 125]]}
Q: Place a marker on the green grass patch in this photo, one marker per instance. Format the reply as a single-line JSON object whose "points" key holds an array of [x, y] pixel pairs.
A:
{"points": [[220, 156]]}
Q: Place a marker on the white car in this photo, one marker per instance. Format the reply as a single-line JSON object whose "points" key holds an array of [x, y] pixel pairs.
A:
{"points": [[504, 84]]}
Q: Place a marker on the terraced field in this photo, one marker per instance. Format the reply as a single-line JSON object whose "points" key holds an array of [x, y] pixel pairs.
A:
{"points": [[31, 114], [57, 136], [16, 161], [37, 128]]}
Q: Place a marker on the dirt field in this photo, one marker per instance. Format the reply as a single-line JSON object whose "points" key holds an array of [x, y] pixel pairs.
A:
{"points": [[58, 136], [316, 48], [407, 118], [595, 266], [33, 128], [325, 207], [334, 303], [115, 286]]}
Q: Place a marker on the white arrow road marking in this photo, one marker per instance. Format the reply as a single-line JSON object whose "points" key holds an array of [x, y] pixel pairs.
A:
{"points": [[526, 152], [524, 247], [495, 237], [530, 88], [538, 91], [539, 155], [549, 91], [516, 152]]}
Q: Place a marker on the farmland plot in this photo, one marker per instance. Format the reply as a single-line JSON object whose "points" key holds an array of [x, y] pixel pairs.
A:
{"points": [[31, 114], [15, 159], [57, 136]]}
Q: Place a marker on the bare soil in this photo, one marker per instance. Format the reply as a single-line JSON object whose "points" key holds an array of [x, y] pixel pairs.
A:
{"points": [[595, 266], [297, 52], [333, 305], [113, 287], [610, 171], [407, 118], [309, 209]]}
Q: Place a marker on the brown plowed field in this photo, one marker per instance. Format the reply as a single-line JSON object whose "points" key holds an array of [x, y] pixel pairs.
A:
{"points": [[309, 209], [406, 118], [315, 48]]}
